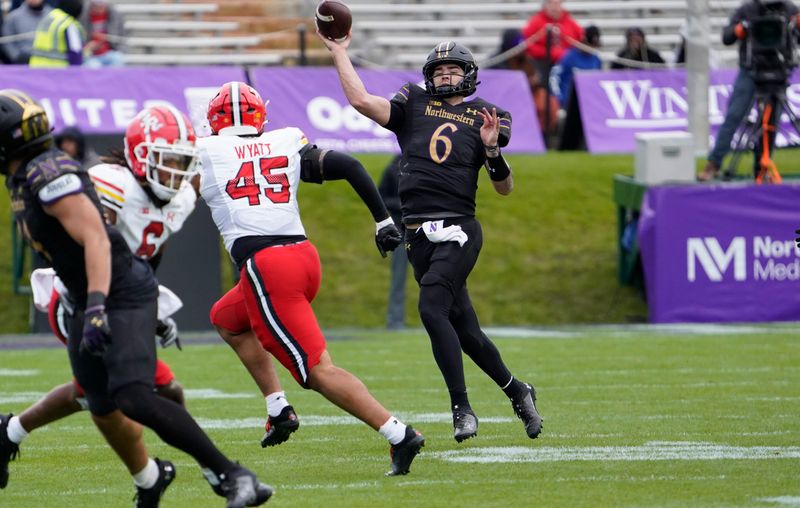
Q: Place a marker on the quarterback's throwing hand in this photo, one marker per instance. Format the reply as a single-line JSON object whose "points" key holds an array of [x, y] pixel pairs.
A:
{"points": [[387, 239]]}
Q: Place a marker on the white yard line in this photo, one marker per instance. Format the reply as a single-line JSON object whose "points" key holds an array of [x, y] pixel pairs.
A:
{"points": [[653, 451], [212, 393], [19, 372], [782, 500]]}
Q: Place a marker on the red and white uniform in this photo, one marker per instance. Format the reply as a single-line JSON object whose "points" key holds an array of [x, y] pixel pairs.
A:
{"points": [[144, 226], [250, 184]]}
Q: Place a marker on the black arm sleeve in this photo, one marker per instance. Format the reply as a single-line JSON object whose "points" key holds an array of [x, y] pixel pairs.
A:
{"points": [[318, 165]]}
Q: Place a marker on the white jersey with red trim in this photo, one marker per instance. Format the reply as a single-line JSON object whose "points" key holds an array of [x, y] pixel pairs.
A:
{"points": [[144, 226], [250, 183]]}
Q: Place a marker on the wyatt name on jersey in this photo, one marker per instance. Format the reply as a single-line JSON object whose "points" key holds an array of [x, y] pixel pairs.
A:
{"points": [[251, 150]]}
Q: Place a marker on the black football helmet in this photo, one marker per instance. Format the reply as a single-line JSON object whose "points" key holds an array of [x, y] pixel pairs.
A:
{"points": [[23, 126], [451, 52]]}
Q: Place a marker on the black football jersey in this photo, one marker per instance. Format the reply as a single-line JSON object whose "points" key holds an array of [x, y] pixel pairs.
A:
{"points": [[44, 180], [442, 152]]}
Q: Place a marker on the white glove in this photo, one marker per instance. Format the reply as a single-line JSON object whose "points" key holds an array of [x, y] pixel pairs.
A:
{"points": [[436, 232], [167, 333]]}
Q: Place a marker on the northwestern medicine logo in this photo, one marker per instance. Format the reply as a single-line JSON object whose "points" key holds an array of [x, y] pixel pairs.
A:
{"points": [[772, 259]]}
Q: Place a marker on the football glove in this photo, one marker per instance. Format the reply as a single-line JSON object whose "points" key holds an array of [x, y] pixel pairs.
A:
{"points": [[96, 331], [167, 333], [388, 238]]}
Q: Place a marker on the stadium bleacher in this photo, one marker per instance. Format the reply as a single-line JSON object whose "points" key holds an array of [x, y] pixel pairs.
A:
{"points": [[397, 34]]}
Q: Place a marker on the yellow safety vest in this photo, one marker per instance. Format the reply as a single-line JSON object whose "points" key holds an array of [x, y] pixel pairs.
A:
{"points": [[50, 42]]}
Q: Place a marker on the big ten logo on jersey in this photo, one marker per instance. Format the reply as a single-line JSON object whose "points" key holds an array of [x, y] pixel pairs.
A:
{"points": [[252, 150]]}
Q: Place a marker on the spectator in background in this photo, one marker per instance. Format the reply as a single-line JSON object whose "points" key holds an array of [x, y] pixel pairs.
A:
{"points": [[388, 188], [100, 19], [3, 58], [59, 37], [72, 141], [744, 88], [563, 30], [23, 21], [16, 3], [575, 58], [636, 48]]}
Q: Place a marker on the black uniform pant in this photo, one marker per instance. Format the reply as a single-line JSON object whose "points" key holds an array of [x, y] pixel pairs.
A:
{"points": [[441, 270], [122, 378], [130, 357]]}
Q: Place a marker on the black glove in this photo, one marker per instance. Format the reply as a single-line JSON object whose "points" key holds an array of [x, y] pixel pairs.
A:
{"points": [[167, 333], [96, 332], [387, 239]]}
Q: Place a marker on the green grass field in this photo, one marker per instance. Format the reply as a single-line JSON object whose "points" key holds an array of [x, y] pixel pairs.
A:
{"points": [[634, 416]]}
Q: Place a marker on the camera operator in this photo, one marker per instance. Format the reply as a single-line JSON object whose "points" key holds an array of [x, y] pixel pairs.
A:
{"points": [[744, 88]]}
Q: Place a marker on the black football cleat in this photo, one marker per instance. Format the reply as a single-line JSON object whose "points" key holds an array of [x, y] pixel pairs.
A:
{"points": [[279, 428], [149, 498], [242, 488], [403, 453], [8, 450], [525, 408], [465, 424]]}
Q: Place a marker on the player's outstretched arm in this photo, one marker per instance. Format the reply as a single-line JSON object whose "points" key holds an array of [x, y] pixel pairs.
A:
{"points": [[372, 106], [320, 165]]}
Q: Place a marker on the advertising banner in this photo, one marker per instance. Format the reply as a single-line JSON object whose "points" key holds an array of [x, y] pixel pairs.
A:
{"points": [[103, 101], [721, 253], [311, 98], [615, 105]]}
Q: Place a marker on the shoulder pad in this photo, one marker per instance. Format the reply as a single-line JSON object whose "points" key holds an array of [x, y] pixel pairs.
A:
{"points": [[110, 182], [404, 94], [49, 167]]}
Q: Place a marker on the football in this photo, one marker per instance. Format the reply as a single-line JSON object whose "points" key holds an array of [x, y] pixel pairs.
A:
{"points": [[333, 19]]}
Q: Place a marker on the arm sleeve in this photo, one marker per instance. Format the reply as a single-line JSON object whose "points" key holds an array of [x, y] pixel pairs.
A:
{"points": [[319, 165], [74, 45]]}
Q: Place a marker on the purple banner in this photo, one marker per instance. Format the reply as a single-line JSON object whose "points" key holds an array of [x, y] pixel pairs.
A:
{"points": [[615, 105], [721, 253], [104, 101], [312, 99]]}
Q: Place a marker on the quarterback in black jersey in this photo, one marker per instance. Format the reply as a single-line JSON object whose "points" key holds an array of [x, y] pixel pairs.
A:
{"points": [[445, 140], [112, 297]]}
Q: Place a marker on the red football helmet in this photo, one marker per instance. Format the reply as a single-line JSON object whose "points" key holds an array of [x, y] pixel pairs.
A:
{"points": [[160, 148], [237, 109]]}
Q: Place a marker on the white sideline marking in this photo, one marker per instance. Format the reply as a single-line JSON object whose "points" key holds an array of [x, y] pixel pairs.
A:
{"points": [[211, 393], [320, 420], [20, 397], [652, 451], [785, 500], [18, 372], [616, 331]]}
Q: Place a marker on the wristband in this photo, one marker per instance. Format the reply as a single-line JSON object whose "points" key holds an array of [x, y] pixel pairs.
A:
{"points": [[382, 224], [492, 151], [95, 300]]}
